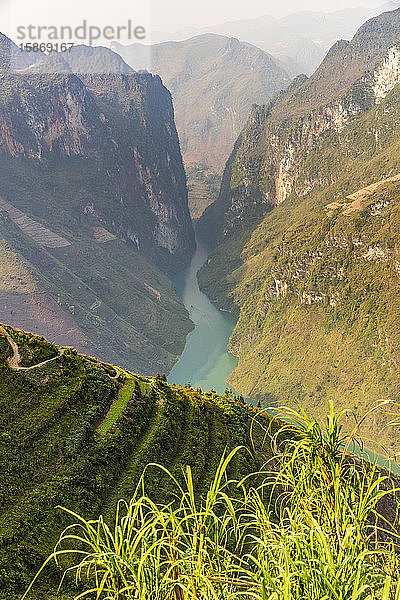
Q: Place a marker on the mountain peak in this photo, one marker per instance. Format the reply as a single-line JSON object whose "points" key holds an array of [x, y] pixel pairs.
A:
{"points": [[337, 47], [379, 32], [89, 60]]}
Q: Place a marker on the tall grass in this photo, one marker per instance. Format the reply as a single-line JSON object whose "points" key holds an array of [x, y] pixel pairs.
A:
{"points": [[314, 524]]}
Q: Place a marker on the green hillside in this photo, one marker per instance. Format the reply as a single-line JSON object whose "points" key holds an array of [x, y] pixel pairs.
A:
{"points": [[78, 433], [320, 310], [316, 287]]}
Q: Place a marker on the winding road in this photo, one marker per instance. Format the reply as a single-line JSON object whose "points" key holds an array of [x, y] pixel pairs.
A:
{"points": [[15, 360]]}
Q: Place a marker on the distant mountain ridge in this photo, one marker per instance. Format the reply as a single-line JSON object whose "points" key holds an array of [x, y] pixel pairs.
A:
{"points": [[213, 80], [300, 40]]}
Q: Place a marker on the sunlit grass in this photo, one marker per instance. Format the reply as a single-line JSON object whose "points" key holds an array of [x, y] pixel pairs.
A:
{"points": [[119, 405], [309, 526]]}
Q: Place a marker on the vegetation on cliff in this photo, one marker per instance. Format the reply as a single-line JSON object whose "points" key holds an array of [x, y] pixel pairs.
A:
{"points": [[307, 253], [320, 309]]}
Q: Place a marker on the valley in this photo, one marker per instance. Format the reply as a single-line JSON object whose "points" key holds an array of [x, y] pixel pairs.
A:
{"points": [[214, 80], [99, 247], [305, 236], [200, 314]]}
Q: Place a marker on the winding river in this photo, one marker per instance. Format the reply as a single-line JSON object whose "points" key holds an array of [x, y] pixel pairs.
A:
{"points": [[205, 361]]}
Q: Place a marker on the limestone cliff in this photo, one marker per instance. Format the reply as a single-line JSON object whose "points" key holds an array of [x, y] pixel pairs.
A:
{"points": [[307, 234], [93, 205], [123, 124], [274, 157], [279, 136], [214, 80]]}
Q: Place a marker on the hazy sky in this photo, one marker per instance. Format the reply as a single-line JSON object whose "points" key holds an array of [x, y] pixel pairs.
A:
{"points": [[155, 15], [208, 12]]}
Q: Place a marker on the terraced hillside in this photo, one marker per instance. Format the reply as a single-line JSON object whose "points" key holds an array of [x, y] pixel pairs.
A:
{"points": [[76, 432]]}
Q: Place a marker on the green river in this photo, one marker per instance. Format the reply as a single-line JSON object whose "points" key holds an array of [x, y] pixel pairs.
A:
{"points": [[205, 361]]}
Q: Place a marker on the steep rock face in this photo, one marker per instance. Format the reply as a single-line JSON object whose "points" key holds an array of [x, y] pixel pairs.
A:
{"points": [[272, 157], [124, 124], [388, 74], [35, 125], [304, 137], [213, 80], [93, 206]]}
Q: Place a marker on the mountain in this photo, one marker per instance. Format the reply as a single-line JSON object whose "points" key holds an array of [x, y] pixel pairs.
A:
{"points": [[300, 40], [214, 80], [304, 247], [78, 433], [93, 206]]}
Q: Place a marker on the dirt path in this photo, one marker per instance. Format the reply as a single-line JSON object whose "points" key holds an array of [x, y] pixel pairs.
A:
{"points": [[118, 373], [359, 196], [370, 189], [15, 359]]}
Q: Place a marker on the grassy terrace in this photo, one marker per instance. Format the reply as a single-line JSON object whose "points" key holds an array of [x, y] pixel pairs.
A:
{"points": [[53, 454], [314, 524], [119, 405], [123, 398], [315, 543]]}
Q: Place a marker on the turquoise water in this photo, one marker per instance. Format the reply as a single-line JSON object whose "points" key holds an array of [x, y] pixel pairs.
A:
{"points": [[205, 361]]}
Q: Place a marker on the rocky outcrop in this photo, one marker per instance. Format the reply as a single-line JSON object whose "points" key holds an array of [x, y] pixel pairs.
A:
{"points": [[388, 74], [280, 137], [121, 122]]}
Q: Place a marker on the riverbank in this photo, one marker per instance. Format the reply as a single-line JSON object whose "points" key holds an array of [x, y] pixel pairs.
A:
{"points": [[205, 361]]}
